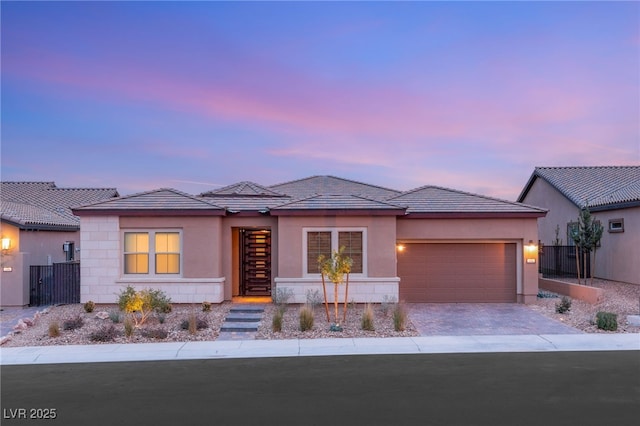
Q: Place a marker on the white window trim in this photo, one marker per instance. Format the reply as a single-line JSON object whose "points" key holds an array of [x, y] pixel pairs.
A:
{"points": [[152, 252], [334, 247]]}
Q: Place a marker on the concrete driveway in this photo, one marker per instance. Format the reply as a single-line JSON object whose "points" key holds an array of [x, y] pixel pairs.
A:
{"points": [[468, 319]]}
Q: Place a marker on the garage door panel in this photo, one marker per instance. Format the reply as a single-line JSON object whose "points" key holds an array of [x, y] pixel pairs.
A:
{"points": [[482, 272]]}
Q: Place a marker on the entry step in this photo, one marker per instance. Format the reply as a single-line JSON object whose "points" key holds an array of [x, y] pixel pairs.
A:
{"points": [[234, 316], [239, 326], [247, 309]]}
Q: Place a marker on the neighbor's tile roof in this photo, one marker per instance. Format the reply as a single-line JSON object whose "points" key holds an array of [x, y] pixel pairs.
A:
{"points": [[164, 199], [331, 185], [40, 205], [434, 199], [339, 202], [601, 186]]}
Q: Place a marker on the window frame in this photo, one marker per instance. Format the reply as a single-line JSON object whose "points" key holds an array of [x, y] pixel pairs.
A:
{"points": [[334, 247], [613, 230], [152, 253]]}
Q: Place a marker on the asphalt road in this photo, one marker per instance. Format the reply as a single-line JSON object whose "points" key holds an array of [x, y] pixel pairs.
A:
{"points": [[542, 388]]}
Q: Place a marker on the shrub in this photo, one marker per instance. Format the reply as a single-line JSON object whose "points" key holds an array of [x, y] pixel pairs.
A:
{"points": [[89, 307], [282, 297], [106, 333], [73, 323], [387, 303], [161, 317], [367, 318], [564, 305], [276, 323], [314, 298], [306, 318], [115, 317], [607, 321], [193, 323], [544, 294], [155, 333], [399, 317], [54, 329], [128, 327], [143, 302], [206, 306]]}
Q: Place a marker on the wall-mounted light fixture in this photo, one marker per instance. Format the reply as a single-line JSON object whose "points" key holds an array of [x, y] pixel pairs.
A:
{"points": [[400, 248], [6, 243], [531, 250]]}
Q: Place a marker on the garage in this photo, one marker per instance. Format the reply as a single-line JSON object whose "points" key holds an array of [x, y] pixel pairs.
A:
{"points": [[457, 272]]}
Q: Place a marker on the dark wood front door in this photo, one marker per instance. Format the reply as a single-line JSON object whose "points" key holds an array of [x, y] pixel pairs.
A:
{"points": [[255, 262]]}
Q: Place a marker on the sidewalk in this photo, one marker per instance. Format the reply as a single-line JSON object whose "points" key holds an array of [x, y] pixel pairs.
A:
{"points": [[316, 347]]}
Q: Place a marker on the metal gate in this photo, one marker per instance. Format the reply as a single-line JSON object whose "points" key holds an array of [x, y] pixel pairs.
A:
{"points": [[255, 252], [54, 284]]}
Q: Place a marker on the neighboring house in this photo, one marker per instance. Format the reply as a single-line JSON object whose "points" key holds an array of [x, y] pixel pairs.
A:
{"points": [[613, 196], [38, 228], [430, 244]]}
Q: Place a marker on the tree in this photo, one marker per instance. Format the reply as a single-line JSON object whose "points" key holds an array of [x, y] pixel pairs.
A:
{"points": [[335, 269], [586, 236]]}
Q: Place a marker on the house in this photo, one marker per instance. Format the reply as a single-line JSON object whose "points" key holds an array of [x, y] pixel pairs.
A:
{"points": [[38, 228], [612, 194], [430, 244]]}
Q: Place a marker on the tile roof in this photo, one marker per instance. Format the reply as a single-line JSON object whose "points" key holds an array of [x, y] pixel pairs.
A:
{"points": [[163, 199], [42, 205], [331, 185], [601, 186], [434, 200], [246, 203], [243, 189], [339, 202]]}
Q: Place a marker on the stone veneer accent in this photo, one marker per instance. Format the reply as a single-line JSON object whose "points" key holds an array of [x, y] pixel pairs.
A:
{"points": [[100, 279], [361, 290]]}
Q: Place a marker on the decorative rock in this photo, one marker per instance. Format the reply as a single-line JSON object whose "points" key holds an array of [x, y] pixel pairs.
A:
{"points": [[29, 322], [5, 339], [633, 320], [20, 325], [102, 315]]}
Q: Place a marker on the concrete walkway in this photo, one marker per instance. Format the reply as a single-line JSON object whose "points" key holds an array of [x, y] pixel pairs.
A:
{"points": [[317, 347]]}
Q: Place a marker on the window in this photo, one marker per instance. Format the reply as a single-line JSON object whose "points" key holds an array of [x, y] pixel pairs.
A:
{"points": [[325, 241], [156, 251], [318, 243], [616, 225]]}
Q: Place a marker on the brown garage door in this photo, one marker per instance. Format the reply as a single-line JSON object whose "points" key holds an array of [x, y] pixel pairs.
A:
{"points": [[450, 273]]}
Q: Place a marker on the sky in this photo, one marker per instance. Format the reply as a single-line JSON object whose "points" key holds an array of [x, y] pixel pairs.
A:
{"points": [[198, 95]]}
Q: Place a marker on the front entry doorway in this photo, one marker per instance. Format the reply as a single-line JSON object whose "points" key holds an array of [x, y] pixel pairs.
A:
{"points": [[255, 262]]}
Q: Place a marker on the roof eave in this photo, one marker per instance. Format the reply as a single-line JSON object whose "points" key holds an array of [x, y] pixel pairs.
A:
{"points": [[615, 206], [149, 212], [475, 215], [338, 212], [30, 226]]}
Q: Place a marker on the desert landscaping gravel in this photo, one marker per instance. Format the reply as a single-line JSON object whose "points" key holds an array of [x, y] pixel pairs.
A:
{"points": [[620, 298]]}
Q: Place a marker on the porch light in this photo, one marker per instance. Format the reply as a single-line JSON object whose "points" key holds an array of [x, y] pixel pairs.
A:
{"points": [[531, 250], [400, 248], [6, 243]]}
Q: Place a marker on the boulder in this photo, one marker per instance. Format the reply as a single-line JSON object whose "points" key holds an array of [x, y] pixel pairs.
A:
{"points": [[102, 315]]}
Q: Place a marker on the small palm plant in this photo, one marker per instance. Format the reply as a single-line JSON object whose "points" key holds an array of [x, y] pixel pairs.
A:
{"points": [[335, 269]]}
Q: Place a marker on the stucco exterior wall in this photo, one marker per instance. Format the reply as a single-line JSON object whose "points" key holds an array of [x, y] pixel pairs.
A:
{"points": [[618, 254], [29, 248], [519, 231], [101, 269], [14, 282], [618, 257], [561, 211], [380, 278]]}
